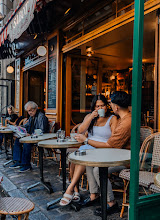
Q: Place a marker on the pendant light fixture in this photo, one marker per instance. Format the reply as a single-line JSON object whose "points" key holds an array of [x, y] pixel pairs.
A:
{"points": [[41, 50]]}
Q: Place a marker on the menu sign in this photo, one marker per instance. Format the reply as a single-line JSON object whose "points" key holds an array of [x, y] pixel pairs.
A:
{"points": [[52, 72], [17, 82]]}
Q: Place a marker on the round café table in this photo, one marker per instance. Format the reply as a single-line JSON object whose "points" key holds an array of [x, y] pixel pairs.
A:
{"points": [[102, 158], [54, 144], [7, 132], [34, 140]]}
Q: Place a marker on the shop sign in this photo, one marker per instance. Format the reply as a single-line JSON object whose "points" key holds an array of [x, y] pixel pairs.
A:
{"points": [[21, 20]]}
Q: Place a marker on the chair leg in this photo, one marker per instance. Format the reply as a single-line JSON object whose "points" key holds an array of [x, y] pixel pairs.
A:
{"points": [[3, 217], [26, 217], [19, 217], [126, 183], [60, 166], [87, 187]]}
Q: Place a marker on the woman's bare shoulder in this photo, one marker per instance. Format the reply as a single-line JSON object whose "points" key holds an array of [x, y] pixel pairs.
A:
{"points": [[113, 119]]}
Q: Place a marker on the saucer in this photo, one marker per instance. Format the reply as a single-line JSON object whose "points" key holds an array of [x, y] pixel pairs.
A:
{"points": [[72, 140]]}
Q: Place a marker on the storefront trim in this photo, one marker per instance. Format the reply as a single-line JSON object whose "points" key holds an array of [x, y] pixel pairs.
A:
{"points": [[35, 63], [150, 6]]}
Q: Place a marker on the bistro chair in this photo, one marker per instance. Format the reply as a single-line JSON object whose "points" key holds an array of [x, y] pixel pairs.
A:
{"points": [[145, 131], [1, 179], [146, 174], [49, 153]]}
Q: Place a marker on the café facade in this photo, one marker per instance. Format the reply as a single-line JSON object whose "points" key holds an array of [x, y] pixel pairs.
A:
{"points": [[90, 54]]}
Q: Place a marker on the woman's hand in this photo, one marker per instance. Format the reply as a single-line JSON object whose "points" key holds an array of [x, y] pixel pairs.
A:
{"points": [[94, 114], [80, 138]]}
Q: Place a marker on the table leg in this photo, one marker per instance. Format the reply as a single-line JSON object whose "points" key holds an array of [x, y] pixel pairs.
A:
{"points": [[40, 149], [5, 145], [10, 161], [63, 161], [47, 185], [103, 173]]}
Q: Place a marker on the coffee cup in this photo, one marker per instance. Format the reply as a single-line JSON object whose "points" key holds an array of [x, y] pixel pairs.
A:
{"points": [[72, 135], [101, 112], [38, 132]]}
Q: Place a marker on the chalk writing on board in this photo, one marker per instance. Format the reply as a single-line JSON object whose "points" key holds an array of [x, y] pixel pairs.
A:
{"points": [[52, 72]]}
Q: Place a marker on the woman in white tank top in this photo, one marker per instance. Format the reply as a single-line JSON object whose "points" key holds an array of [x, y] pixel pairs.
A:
{"points": [[99, 129]]}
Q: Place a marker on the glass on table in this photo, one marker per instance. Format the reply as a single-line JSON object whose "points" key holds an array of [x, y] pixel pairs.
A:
{"points": [[62, 134]]}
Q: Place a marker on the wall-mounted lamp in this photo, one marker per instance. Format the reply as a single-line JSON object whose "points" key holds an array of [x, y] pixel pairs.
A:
{"points": [[89, 51], [10, 69], [2, 16], [41, 51]]}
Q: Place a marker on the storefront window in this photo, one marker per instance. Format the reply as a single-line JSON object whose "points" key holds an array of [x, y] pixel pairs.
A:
{"points": [[84, 86]]}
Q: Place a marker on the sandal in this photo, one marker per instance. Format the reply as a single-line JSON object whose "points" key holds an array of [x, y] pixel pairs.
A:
{"points": [[76, 197], [67, 198]]}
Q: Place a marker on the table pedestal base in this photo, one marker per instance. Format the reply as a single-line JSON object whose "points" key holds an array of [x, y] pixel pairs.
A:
{"points": [[54, 202], [103, 174], [63, 162], [46, 185], [8, 162]]}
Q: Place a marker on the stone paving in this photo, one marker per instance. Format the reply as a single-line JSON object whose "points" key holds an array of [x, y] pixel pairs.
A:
{"points": [[15, 185]]}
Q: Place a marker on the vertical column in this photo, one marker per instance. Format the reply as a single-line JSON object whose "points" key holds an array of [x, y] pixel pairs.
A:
{"points": [[156, 74], [136, 106], [83, 86]]}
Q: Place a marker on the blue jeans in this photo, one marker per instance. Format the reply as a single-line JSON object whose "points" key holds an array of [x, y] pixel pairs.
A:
{"points": [[1, 139], [22, 154]]}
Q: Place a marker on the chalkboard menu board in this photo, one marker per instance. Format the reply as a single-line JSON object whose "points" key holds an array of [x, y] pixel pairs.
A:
{"points": [[52, 72], [17, 82]]}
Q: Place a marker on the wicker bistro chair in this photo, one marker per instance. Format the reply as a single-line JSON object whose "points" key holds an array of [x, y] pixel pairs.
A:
{"points": [[146, 178], [1, 179], [48, 153]]}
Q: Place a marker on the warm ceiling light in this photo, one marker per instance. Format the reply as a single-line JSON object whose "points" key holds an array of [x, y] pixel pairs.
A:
{"points": [[41, 51], [67, 11], [35, 36], [89, 51], [10, 69]]}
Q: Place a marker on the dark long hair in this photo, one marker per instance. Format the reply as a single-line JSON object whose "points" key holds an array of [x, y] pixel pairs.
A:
{"points": [[93, 104]]}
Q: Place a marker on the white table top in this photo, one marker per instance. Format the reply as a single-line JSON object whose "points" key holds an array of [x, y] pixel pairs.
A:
{"points": [[55, 144], [30, 140], [102, 157], [5, 130]]}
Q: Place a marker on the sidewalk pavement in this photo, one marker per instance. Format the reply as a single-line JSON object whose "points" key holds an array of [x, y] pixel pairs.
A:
{"points": [[15, 184]]}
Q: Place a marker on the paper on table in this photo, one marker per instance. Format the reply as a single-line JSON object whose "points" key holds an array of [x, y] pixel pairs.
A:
{"points": [[21, 132]]}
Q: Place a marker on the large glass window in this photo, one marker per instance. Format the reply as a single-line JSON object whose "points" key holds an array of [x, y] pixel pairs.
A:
{"points": [[84, 86]]}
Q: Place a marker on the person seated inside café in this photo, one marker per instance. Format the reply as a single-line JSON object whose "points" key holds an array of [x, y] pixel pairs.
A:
{"points": [[37, 120], [11, 119], [119, 139]]}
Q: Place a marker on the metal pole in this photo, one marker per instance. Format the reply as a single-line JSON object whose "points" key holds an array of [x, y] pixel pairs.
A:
{"points": [[136, 106]]}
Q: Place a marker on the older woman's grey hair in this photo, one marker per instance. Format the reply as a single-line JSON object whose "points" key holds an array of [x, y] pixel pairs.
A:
{"points": [[32, 105]]}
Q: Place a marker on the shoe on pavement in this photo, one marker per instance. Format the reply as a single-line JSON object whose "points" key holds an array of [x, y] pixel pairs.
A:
{"points": [[16, 165], [110, 210], [88, 202], [25, 169]]}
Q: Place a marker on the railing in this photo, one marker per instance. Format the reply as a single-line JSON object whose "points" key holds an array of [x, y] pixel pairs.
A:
{"points": [[117, 8]]}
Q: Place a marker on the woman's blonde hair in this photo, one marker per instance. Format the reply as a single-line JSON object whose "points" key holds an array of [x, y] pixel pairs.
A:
{"points": [[11, 108]]}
